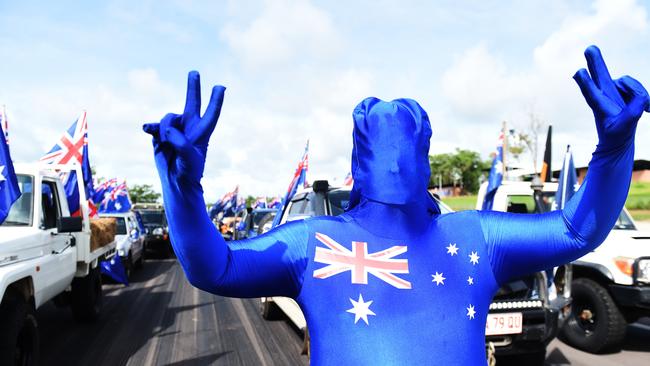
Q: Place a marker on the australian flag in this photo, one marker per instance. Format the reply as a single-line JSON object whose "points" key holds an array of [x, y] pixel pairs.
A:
{"points": [[115, 197], [4, 124], [348, 181], [260, 202], [496, 174], [72, 149], [241, 204], [568, 183], [9, 189], [227, 204], [275, 202], [299, 179]]}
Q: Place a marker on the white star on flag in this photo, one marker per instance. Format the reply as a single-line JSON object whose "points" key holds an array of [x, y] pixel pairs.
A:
{"points": [[2, 177], [470, 280], [470, 311], [438, 279], [361, 310], [452, 249], [118, 206], [498, 167], [576, 187], [474, 258]]}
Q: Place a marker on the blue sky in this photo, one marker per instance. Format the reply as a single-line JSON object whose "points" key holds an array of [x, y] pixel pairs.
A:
{"points": [[296, 69]]}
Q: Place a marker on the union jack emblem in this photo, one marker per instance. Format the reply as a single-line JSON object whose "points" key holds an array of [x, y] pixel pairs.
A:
{"points": [[359, 262], [69, 149]]}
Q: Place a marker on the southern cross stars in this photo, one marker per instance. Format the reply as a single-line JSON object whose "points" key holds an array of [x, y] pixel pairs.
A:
{"points": [[2, 177], [361, 310], [470, 280], [473, 258], [452, 249], [438, 279], [470, 311]]}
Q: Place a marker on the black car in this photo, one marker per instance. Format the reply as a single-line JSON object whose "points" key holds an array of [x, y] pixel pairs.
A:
{"points": [[156, 230], [536, 305]]}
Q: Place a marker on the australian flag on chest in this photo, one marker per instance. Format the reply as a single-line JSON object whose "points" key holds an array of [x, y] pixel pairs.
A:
{"points": [[72, 149], [9, 189]]}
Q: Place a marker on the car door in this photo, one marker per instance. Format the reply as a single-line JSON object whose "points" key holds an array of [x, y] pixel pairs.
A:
{"points": [[59, 265], [134, 236]]}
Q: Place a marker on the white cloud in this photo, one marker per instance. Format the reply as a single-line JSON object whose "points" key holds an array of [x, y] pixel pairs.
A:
{"points": [[286, 31], [482, 89]]}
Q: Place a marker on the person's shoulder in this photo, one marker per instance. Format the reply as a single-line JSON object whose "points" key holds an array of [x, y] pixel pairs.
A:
{"points": [[459, 216]]}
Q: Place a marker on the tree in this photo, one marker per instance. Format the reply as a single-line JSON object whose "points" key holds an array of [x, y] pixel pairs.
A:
{"points": [[462, 168], [143, 193]]}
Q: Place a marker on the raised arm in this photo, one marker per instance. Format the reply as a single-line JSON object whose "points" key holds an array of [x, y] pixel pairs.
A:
{"points": [[519, 244], [270, 264]]}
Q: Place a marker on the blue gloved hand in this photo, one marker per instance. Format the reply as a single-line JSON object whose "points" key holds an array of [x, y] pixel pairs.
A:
{"points": [[617, 104], [181, 141]]}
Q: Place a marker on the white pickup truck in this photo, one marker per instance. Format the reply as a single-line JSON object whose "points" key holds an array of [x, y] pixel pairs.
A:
{"points": [[610, 286], [45, 255]]}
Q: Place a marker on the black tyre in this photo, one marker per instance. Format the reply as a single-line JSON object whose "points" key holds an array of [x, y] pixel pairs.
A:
{"points": [[306, 344], [86, 297], [268, 217], [140, 262], [595, 323], [128, 265], [536, 358], [19, 339], [269, 310]]}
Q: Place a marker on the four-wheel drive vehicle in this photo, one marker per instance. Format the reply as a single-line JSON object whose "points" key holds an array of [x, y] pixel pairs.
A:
{"points": [[129, 240], [542, 299], [249, 226], [46, 255], [611, 288], [156, 236]]}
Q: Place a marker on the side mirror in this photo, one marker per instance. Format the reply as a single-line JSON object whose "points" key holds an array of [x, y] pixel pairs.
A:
{"points": [[69, 224]]}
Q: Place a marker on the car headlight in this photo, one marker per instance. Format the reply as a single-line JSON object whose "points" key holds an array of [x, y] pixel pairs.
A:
{"points": [[158, 231], [643, 270], [624, 264]]}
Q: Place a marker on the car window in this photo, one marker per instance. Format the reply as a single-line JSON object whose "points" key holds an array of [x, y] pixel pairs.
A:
{"points": [[526, 203], [297, 207], [21, 213], [339, 201], [49, 205], [624, 222], [121, 226]]}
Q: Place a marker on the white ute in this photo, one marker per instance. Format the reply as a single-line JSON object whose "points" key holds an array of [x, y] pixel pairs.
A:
{"points": [[45, 255], [611, 284]]}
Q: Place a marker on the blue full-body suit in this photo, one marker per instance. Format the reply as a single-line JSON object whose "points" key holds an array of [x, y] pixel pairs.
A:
{"points": [[392, 281]]}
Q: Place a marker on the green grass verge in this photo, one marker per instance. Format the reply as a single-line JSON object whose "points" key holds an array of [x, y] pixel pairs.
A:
{"points": [[460, 203]]}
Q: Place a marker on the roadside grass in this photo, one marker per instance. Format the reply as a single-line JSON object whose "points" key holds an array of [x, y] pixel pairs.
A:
{"points": [[638, 201]]}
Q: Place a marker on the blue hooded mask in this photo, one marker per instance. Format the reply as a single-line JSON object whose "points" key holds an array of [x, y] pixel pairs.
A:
{"points": [[390, 154]]}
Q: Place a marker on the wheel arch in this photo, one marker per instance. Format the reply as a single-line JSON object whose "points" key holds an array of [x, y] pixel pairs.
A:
{"points": [[593, 271]]}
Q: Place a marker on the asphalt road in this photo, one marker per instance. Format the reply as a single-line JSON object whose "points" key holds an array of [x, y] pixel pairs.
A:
{"points": [[161, 320]]}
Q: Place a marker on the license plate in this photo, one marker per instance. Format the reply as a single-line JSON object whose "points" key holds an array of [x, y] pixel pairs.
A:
{"points": [[503, 323]]}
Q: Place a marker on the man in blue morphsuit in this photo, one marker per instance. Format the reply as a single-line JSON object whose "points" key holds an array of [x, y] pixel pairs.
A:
{"points": [[392, 281]]}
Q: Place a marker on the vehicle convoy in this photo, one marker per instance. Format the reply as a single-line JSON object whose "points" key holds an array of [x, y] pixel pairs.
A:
{"points": [[129, 240], [610, 286], [523, 316], [46, 255]]}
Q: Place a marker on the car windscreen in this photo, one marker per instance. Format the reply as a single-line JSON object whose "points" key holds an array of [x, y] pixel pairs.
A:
{"points": [[21, 213], [339, 201], [525, 203], [152, 217], [121, 226], [258, 216]]}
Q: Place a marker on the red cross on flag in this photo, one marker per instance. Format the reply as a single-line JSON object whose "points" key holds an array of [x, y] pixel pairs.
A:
{"points": [[359, 262], [69, 149]]}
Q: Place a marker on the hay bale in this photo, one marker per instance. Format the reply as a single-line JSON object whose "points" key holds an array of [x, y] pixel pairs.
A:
{"points": [[102, 232]]}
